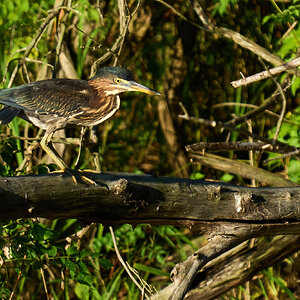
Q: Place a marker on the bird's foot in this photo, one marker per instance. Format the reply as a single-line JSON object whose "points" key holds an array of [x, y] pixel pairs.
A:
{"points": [[90, 171], [77, 176]]}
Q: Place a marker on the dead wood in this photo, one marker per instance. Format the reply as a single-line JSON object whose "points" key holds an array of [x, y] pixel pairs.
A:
{"points": [[235, 267], [227, 214], [128, 198]]}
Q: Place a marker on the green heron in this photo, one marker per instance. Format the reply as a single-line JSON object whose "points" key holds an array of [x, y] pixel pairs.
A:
{"points": [[54, 104]]}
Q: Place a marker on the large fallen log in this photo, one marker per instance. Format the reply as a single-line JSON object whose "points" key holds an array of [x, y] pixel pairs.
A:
{"points": [[128, 198]]}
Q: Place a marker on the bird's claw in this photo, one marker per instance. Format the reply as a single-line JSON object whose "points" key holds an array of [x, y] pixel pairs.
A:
{"points": [[76, 176]]}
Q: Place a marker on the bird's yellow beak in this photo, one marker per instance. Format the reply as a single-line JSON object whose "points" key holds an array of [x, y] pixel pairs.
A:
{"points": [[136, 87]]}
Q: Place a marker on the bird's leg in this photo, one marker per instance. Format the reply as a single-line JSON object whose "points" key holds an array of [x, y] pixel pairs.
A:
{"points": [[82, 133], [45, 146], [60, 163]]}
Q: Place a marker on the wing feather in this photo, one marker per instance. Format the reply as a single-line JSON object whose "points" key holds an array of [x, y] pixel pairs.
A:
{"points": [[62, 97]]}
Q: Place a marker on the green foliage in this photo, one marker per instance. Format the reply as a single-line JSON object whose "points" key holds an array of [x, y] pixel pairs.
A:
{"points": [[187, 65], [278, 283], [294, 170], [289, 134], [15, 16], [290, 14], [227, 177], [290, 45], [197, 175], [222, 6], [6, 149], [35, 245]]}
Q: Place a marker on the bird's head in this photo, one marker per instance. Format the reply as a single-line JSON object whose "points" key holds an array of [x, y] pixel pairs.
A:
{"points": [[116, 80]]}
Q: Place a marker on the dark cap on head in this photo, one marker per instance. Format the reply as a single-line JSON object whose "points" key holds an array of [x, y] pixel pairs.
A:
{"points": [[113, 72]]}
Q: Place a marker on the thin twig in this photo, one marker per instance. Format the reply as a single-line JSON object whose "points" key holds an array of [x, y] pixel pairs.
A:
{"points": [[100, 13], [255, 112], [271, 113], [34, 42], [124, 24], [288, 31], [246, 133], [137, 8], [44, 283], [28, 153], [116, 49], [122, 261], [275, 144], [77, 235], [17, 281], [68, 141], [285, 155], [68, 8], [236, 37], [24, 68], [89, 36], [181, 15], [61, 29], [38, 62], [251, 155], [283, 109], [146, 286]]}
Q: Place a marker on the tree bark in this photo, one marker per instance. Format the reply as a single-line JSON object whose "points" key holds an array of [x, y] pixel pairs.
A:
{"points": [[236, 267], [127, 198], [226, 213]]}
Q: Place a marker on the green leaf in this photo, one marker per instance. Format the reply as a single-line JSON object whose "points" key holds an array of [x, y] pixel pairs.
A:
{"points": [[83, 268], [105, 263], [86, 279], [295, 86], [294, 170], [268, 18], [52, 251], [151, 270], [84, 253], [82, 291], [41, 233], [197, 175], [290, 44], [227, 177], [72, 268], [37, 265], [72, 250]]}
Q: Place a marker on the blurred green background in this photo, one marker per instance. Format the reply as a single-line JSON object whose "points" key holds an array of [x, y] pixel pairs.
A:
{"points": [[187, 65]]}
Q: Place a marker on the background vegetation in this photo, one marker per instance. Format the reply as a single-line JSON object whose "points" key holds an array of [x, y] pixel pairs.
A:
{"points": [[167, 52]]}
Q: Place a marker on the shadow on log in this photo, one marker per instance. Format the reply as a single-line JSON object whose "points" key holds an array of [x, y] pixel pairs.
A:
{"points": [[127, 198], [227, 214]]}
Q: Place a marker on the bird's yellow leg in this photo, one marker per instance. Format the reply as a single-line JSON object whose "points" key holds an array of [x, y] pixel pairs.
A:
{"points": [[45, 145], [60, 163]]}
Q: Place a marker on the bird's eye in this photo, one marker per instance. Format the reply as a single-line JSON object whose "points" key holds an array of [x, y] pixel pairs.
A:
{"points": [[117, 80]]}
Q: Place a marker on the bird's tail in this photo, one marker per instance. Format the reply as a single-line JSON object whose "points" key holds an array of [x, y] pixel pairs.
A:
{"points": [[7, 114]]}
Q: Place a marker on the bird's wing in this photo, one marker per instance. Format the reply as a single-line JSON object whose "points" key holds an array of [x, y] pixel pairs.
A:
{"points": [[62, 97]]}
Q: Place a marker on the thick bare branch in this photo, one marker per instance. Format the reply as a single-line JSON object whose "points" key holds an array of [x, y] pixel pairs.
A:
{"points": [[184, 274], [237, 146], [236, 267], [142, 198], [293, 64], [236, 37], [242, 169], [228, 126], [228, 214]]}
